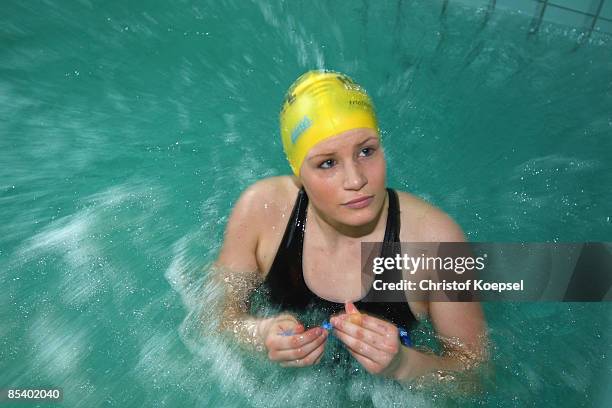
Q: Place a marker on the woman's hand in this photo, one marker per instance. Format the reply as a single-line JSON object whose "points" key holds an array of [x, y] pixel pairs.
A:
{"points": [[298, 349], [374, 343]]}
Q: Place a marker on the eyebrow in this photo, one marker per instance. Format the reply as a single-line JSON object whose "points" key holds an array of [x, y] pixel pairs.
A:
{"points": [[331, 154]]}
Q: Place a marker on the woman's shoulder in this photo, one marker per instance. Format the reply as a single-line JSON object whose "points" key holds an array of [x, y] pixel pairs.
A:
{"points": [[265, 207], [424, 222], [271, 191], [254, 216], [268, 199]]}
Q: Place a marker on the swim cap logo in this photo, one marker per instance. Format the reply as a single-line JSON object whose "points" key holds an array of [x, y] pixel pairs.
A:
{"points": [[364, 104], [300, 128], [348, 83]]}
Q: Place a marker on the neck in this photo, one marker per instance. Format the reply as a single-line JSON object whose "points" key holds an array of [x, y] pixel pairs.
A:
{"points": [[334, 232]]}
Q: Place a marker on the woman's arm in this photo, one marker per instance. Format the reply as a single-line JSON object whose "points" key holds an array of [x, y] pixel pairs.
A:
{"points": [[460, 326], [375, 343], [237, 272], [238, 254]]}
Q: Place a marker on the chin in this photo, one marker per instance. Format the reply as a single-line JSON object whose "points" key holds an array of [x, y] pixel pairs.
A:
{"points": [[358, 218], [362, 216]]}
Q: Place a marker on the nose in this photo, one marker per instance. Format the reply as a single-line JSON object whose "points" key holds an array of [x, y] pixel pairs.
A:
{"points": [[354, 179]]}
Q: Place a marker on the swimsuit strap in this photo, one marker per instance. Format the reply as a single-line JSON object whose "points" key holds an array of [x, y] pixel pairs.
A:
{"points": [[294, 233], [393, 227]]}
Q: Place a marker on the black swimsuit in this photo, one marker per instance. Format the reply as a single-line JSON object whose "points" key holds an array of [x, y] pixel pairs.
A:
{"points": [[285, 280]]}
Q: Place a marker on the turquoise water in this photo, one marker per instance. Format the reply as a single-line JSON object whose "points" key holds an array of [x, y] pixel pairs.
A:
{"points": [[128, 131]]}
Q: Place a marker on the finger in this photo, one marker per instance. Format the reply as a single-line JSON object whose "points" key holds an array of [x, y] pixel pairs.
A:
{"points": [[284, 330], [306, 361], [377, 332], [289, 324], [299, 352], [380, 326], [318, 360], [295, 341], [383, 342], [370, 365], [318, 354], [363, 348]]}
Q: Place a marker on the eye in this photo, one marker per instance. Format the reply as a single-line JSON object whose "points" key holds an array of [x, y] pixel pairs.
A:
{"points": [[327, 164], [367, 151]]}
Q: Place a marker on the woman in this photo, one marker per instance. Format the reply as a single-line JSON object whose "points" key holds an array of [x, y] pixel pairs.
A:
{"points": [[301, 235]]}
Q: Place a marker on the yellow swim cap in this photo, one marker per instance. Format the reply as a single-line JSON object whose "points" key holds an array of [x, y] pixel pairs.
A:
{"points": [[321, 104]]}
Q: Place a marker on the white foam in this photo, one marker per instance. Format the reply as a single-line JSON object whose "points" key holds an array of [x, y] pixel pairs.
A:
{"points": [[58, 348]]}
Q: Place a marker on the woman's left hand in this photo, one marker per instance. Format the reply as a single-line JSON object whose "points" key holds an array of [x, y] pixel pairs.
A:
{"points": [[374, 343]]}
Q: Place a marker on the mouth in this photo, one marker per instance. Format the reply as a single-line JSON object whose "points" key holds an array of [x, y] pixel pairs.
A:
{"points": [[359, 202]]}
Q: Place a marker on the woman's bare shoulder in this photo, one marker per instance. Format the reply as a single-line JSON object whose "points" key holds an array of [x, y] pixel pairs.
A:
{"points": [[269, 199], [424, 222], [271, 191], [256, 216]]}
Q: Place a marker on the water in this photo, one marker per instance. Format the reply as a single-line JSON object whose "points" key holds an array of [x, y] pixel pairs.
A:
{"points": [[128, 132]]}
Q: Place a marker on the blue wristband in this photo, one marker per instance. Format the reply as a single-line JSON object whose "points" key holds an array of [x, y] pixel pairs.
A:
{"points": [[404, 337]]}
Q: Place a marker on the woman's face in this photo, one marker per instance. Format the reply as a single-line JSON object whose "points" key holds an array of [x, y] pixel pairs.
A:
{"points": [[345, 177]]}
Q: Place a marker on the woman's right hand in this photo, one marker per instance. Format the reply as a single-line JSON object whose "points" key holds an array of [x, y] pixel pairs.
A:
{"points": [[300, 349]]}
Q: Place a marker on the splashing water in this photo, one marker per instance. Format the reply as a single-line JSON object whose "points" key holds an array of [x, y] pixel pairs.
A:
{"points": [[129, 131]]}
